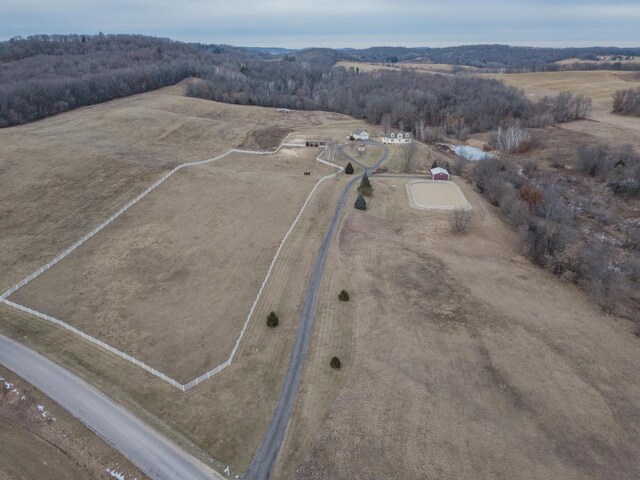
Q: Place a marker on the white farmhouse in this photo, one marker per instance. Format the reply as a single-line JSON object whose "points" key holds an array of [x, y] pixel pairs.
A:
{"points": [[359, 135], [396, 138]]}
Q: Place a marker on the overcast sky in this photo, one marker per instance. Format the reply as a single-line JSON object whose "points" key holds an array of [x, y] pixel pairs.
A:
{"points": [[333, 23]]}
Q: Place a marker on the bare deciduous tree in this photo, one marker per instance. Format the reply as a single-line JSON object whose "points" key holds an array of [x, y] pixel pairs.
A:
{"points": [[461, 221], [385, 123], [331, 151], [514, 139], [408, 149]]}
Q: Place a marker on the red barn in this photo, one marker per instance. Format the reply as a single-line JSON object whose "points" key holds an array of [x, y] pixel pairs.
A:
{"points": [[439, 173]]}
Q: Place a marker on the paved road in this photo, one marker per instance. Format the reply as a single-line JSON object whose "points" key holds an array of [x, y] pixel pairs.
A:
{"points": [[265, 458], [151, 452]]}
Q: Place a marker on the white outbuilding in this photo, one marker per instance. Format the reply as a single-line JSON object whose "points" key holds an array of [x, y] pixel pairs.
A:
{"points": [[359, 135]]}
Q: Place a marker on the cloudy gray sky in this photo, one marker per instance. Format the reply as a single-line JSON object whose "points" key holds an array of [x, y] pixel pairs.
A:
{"points": [[337, 23]]}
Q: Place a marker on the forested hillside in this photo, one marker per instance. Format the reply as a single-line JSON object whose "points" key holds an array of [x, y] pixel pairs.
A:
{"points": [[45, 75], [459, 105], [48, 74], [486, 56]]}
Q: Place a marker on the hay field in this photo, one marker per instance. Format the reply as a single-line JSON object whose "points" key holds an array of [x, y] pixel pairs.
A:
{"points": [[599, 85], [571, 61], [171, 282], [460, 360], [62, 176]]}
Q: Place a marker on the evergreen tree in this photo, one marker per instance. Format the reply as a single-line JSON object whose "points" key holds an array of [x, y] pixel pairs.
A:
{"points": [[361, 203], [349, 169], [344, 296], [434, 165], [365, 187], [335, 363], [272, 320]]}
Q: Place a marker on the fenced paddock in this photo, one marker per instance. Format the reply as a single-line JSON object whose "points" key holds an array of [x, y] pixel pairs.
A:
{"points": [[172, 283], [436, 195]]}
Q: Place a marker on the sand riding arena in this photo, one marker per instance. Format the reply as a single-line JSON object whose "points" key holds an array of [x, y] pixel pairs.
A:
{"points": [[436, 195]]}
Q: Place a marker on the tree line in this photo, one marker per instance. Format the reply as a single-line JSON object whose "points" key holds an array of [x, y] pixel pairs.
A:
{"points": [[459, 105], [45, 75], [486, 56], [546, 211]]}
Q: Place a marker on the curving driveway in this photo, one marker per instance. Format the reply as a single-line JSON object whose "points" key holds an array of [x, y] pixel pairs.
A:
{"points": [[265, 458], [151, 452]]}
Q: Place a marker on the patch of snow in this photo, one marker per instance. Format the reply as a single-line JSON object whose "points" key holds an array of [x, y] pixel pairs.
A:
{"points": [[470, 153], [8, 385], [118, 476], [44, 413]]}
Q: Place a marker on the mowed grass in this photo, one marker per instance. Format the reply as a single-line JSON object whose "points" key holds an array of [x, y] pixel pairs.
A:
{"points": [[368, 158], [62, 176], [171, 281], [460, 359]]}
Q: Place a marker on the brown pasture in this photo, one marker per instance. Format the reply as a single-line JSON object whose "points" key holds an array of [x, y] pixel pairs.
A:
{"points": [[599, 85], [171, 281], [460, 359]]}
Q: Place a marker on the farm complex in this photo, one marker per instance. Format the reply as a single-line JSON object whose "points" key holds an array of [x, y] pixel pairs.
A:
{"points": [[282, 293]]}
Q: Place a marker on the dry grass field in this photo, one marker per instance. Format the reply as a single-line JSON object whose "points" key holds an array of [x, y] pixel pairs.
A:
{"points": [[599, 85], [34, 446], [571, 61], [53, 199], [171, 282], [460, 360], [62, 176], [223, 418]]}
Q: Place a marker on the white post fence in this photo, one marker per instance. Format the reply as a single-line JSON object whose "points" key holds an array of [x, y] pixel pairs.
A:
{"points": [[96, 230]]}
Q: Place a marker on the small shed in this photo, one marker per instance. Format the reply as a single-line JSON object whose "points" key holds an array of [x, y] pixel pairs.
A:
{"points": [[439, 173]]}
